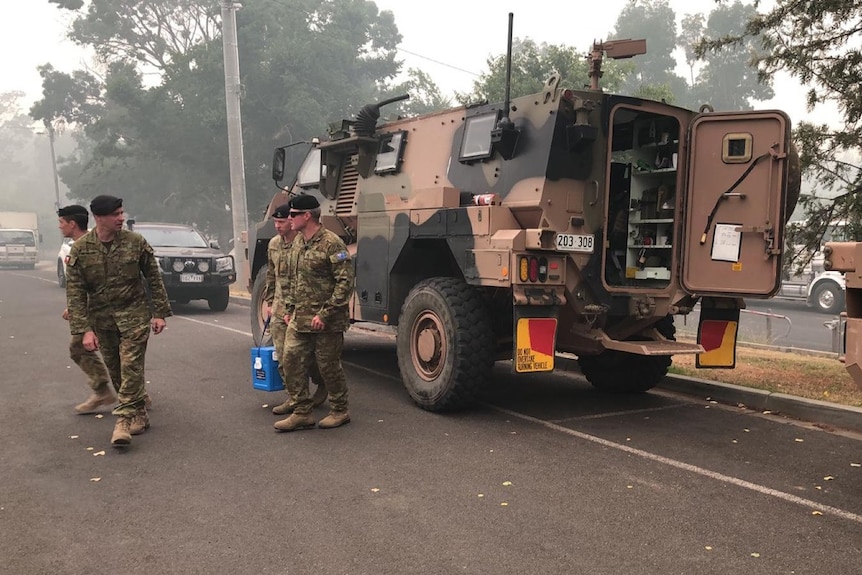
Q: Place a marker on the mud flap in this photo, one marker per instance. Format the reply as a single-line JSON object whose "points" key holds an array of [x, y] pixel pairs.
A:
{"points": [[535, 331], [717, 333]]}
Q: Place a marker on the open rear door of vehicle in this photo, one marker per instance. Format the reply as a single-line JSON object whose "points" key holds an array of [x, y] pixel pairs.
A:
{"points": [[735, 203]]}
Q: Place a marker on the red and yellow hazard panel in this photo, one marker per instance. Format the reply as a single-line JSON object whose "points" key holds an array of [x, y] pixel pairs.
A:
{"points": [[534, 344], [718, 338]]}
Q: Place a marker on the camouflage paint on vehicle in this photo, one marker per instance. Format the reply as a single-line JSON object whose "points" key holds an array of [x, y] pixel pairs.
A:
{"points": [[461, 235]]}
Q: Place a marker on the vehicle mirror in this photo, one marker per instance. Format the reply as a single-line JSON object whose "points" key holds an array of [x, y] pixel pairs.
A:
{"points": [[278, 158]]}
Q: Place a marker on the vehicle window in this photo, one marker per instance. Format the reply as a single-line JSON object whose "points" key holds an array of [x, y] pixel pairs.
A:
{"points": [[17, 237], [172, 237]]}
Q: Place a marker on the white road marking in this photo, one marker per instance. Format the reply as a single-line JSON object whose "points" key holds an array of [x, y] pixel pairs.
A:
{"points": [[206, 323], [686, 466], [813, 505]]}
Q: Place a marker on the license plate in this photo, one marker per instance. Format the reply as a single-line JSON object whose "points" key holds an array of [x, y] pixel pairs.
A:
{"points": [[575, 243], [191, 278]]}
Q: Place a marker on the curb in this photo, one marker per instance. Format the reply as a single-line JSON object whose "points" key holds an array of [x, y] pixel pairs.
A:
{"points": [[799, 408]]}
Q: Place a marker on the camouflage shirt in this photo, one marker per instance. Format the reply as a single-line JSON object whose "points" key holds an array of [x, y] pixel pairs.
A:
{"points": [[320, 281], [276, 274], [107, 282]]}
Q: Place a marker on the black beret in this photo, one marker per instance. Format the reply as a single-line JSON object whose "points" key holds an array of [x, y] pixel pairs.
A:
{"points": [[105, 205], [304, 202], [73, 210], [281, 211]]}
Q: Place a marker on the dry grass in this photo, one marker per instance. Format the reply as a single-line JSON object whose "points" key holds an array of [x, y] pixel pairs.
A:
{"points": [[806, 376]]}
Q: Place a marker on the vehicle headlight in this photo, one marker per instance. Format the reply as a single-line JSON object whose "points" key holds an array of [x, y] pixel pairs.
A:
{"points": [[203, 266], [178, 266], [224, 264]]}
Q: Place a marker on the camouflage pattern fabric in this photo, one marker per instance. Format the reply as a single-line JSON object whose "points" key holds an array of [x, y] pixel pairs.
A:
{"points": [[90, 363], [274, 290], [320, 282], [105, 294], [304, 349]]}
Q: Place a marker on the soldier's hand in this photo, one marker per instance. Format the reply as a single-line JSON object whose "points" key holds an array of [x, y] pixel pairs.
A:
{"points": [[317, 323], [90, 341], [158, 325], [66, 314], [286, 319]]}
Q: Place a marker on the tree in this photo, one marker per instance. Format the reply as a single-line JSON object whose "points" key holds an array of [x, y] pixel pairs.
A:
{"points": [[690, 35], [425, 95], [532, 65], [656, 22], [727, 80], [818, 43], [158, 127]]}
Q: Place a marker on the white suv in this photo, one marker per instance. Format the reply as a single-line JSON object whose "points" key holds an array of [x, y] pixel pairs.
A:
{"points": [[62, 256]]}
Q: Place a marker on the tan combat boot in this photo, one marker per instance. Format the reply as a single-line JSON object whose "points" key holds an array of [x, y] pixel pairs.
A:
{"points": [[285, 408], [334, 419], [295, 422], [140, 421], [122, 436], [95, 401]]}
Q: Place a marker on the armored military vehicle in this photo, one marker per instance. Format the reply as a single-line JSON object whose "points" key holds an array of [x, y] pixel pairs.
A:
{"points": [[565, 221]]}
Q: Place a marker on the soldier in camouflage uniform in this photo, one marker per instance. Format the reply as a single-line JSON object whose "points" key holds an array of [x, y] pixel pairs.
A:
{"points": [[109, 306], [320, 281], [275, 287], [73, 222]]}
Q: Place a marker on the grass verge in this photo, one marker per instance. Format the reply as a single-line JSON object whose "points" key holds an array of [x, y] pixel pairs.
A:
{"points": [[796, 374]]}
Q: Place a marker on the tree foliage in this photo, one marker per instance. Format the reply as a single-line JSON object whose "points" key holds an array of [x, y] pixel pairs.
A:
{"points": [[156, 125], [818, 42], [532, 65]]}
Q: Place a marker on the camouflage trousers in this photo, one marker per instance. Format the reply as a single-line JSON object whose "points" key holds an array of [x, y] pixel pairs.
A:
{"points": [[301, 351], [90, 363], [124, 356], [278, 329]]}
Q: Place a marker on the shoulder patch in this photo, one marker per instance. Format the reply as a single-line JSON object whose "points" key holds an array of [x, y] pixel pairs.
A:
{"points": [[341, 256]]}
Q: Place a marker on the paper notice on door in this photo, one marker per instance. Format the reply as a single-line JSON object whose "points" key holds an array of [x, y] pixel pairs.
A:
{"points": [[726, 243]]}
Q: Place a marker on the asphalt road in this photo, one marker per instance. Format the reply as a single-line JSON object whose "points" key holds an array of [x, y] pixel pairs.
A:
{"points": [[546, 476]]}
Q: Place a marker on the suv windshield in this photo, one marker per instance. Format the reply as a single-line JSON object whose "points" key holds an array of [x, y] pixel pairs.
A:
{"points": [[17, 237], [172, 237]]}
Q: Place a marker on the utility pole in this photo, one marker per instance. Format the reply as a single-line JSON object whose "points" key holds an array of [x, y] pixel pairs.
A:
{"points": [[50, 128], [239, 208]]}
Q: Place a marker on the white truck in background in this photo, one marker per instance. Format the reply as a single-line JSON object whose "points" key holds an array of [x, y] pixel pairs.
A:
{"points": [[19, 239], [822, 290]]}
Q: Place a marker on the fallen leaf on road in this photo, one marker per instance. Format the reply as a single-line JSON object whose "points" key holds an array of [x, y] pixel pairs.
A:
{"points": [[100, 416], [481, 495], [816, 513], [755, 554], [798, 440], [708, 547], [374, 490], [746, 430], [856, 465], [828, 478], [265, 405], [734, 441], [90, 448], [504, 504], [95, 479], [73, 437], [98, 453], [507, 483]]}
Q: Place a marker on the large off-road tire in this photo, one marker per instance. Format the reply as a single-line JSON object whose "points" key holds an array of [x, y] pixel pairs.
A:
{"points": [[258, 310], [61, 274], [219, 301], [445, 344], [619, 372], [828, 297]]}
